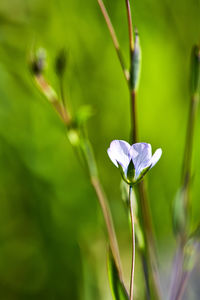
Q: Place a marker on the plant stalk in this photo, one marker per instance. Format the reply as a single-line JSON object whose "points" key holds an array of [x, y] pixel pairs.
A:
{"points": [[179, 285], [145, 210], [87, 152], [133, 243], [178, 272], [109, 223], [114, 39]]}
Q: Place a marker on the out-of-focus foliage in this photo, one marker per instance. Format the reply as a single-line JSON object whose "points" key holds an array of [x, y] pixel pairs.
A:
{"points": [[52, 241], [118, 290]]}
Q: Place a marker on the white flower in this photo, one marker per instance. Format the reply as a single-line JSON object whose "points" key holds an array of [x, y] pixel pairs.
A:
{"points": [[133, 161]]}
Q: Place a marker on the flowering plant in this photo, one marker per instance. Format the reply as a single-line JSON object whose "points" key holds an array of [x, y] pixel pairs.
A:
{"points": [[133, 161]]}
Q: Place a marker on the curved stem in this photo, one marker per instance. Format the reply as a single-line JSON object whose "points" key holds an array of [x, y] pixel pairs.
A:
{"points": [[186, 172], [178, 287], [130, 26], [149, 238], [52, 97], [133, 243], [87, 152], [114, 39], [109, 223]]}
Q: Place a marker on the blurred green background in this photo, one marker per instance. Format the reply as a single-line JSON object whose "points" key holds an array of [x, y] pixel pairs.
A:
{"points": [[52, 236]]}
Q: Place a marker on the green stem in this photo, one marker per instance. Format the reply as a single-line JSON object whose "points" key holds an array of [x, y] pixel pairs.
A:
{"points": [[179, 285], [149, 238], [109, 223], [130, 27], [145, 209], [114, 39], [62, 94], [178, 272], [146, 215], [86, 150], [186, 174], [134, 135], [133, 243]]}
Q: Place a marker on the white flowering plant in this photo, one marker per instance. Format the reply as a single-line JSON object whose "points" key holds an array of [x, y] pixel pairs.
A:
{"points": [[133, 160]]}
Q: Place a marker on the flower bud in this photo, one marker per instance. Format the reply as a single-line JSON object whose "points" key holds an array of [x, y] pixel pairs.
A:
{"points": [[61, 62], [38, 62], [135, 64]]}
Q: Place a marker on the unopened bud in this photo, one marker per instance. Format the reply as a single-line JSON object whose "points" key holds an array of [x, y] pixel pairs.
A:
{"points": [[135, 64], [61, 62], [38, 62]]}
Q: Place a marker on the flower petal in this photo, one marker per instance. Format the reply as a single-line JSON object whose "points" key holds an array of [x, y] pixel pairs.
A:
{"points": [[141, 154], [119, 153], [155, 158]]}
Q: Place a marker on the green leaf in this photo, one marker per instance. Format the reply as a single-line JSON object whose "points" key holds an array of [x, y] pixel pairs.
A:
{"points": [[117, 287]]}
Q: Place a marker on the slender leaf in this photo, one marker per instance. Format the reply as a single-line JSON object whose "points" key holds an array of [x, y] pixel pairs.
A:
{"points": [[117, 287]]}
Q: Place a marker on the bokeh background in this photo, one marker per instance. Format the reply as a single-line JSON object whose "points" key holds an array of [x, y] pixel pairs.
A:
{"points": [[52, 236]]}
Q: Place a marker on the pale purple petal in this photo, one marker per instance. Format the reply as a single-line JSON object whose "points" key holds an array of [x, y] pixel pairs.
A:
{"points": [[155, 158], [119, 153], [141, 154]]}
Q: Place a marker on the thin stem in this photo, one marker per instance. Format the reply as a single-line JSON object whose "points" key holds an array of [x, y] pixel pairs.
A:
{"points": [[114, 39], [188, 148], [62, 94], [86, 150], [149, 237], [52, 97], [109, 223], [130, 26], [134, 136], [146, 215], [133, 243], [178, 287]]}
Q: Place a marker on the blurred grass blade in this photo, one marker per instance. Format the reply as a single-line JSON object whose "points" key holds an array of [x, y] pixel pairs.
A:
{"points": [[179, 217], [195, 70], [117, 287]]}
